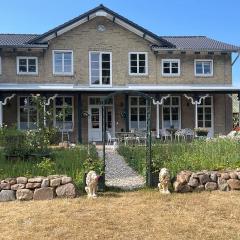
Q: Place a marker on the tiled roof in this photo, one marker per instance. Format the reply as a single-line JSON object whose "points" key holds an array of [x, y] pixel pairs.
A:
{"points": [[17, 40], [199, 43]]}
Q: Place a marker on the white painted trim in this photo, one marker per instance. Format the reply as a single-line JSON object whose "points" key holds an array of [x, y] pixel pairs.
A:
{"points": [[171, 61], [212, 114], [54, 113], [18, 112], [100, 69], [53, 63], [203, 75], [137, 106], [27, 58], [129, 64], [0, 65], [179, 111]]}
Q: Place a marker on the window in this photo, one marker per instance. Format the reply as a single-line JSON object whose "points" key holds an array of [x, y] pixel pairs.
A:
{"points": [[64, 113], [170, 67], [27, 113], [171, 112], [205, 113], [0, 65], [100, 68], [138, 113], [138, 64], [203, 67], [27, 65], [63, 62]]}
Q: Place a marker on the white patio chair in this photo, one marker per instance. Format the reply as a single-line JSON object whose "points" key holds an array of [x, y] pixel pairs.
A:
{"points": [[111, 139], [189, 133], [165, 134], [180, 134]]}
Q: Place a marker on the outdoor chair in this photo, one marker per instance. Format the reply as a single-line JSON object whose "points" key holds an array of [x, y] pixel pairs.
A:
{"points": [[111, 139], [165, 134], [180, 134], [189, 133]]}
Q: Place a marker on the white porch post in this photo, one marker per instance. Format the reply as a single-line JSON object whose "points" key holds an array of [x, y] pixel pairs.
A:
{"points": [[158, 103], [157, 122], [47, 103], [196, 114]]}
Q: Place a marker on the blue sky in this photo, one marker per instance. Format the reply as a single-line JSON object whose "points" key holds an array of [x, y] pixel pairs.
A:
{"points": [[218, 19]]}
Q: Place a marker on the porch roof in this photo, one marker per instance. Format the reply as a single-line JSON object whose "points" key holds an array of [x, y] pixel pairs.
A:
{"points": [[207, 88]]}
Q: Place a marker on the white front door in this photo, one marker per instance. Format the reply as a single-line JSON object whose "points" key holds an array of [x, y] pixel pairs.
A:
{"points": [[95, 123]]}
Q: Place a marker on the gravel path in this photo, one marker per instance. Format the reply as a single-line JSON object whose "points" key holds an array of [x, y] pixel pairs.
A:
{"points": [[119, 174]]}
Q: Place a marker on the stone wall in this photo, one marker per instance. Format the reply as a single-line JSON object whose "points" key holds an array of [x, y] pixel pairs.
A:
{"points": [[187, 181], [37, 188]]}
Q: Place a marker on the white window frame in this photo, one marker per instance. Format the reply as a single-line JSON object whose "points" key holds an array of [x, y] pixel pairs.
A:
{"points": [[100, 70], [53, 61], [137, 106], [212, 114], [129, 64], [0, 65], [54, 114], [202, 74], [179, 111], [18, 114], [171, 61], [27, 58]]}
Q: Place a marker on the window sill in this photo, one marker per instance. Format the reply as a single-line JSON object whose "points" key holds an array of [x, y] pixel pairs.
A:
{"points": [[63, 74], [204, 76], [27, 74], [171, 75], [138, 75]]}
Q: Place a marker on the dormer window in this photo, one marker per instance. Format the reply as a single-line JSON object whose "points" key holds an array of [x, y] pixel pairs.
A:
{"points": [[203, 68], [63, 62], [27, 65]]}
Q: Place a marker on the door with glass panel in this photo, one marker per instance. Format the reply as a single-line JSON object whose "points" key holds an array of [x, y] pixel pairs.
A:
{"points": [[205, 115], [171, 113], [95, 123]]}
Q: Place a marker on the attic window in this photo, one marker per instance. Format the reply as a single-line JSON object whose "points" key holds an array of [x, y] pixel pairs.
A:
{"points": [[63, 62]]}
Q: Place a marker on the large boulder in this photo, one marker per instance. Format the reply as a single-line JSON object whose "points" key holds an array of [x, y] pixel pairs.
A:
{"points": [[68, 190], [193, 182], [222, 184], [7, 195], [55, 182], [15, 187], [33, 185], [45, 183], [211, 186], [35, 180], [213, 177], [24, 194], [5, 186], [234, 184], [225, 175], [66, 180], [12, 181], [22, 180], [204, 178], [233, 175], [181, 188], [183, 177], [46, 193]]}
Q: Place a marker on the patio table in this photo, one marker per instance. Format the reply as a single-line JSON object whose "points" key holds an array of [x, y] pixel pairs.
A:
{"points": [[126, 136]]}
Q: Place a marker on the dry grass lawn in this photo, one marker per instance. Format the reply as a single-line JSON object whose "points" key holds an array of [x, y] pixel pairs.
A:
{"points": [[134, 215]]}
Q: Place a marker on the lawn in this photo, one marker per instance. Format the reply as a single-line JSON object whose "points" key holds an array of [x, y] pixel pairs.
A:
{"points": [[142, 214], [198, 155]]}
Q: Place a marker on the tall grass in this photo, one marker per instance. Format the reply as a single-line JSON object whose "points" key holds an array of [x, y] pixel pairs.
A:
{"points": [[216, 154], [71, 162]]}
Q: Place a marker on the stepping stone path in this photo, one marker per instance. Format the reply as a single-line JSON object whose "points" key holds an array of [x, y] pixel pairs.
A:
{"points": [[119, 174]]}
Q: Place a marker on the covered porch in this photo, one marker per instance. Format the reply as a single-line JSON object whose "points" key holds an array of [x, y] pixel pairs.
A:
{"points": [[177, 107]]}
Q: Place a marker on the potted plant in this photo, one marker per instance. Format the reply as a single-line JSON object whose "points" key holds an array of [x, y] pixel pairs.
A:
{"points": [[201, 132]]}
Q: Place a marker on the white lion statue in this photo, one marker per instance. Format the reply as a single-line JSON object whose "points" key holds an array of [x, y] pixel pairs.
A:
{"points": [[92, 184], [164, 180]]}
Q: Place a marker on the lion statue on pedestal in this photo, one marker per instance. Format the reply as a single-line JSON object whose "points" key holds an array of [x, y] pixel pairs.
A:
{"points": [[164, 180], [92, 184]]}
